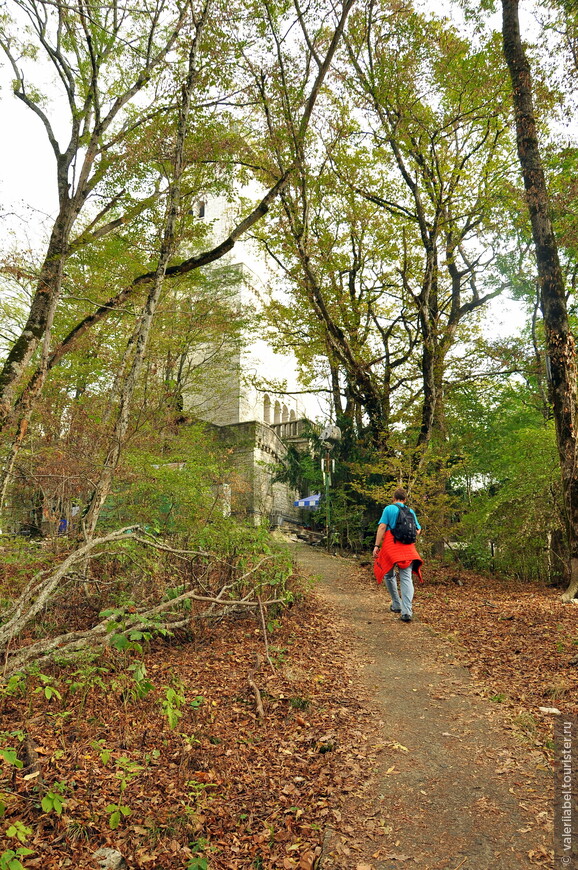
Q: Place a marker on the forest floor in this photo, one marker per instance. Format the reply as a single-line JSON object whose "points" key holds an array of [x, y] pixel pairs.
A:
{"points": [[461, 775], [376, 749]]}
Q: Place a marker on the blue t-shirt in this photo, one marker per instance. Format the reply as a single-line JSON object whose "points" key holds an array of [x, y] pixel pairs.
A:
{"points": [[391, 513]]}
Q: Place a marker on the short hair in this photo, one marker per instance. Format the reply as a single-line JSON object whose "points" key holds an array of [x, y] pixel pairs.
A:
{"points": [[400, 494]]}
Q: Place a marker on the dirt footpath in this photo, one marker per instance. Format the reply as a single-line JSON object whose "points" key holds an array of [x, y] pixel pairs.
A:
{"points": [[454, 787]]}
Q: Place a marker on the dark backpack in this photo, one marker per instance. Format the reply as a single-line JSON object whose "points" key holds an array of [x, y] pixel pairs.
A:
{"points": [[405, 529]]}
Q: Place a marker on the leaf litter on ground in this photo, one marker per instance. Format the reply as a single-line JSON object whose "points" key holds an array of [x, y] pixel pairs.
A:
{"points": [[223, 786]]}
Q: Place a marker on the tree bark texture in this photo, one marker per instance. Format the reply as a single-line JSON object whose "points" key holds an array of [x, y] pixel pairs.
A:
{"points": [[41, 311], [559, 340]]}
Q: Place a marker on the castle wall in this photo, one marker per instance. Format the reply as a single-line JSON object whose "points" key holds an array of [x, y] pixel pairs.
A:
{"points": [[230, 395], [257, 449]]}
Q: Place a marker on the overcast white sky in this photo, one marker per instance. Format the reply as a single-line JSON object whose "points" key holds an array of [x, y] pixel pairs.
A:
{"points": [[27, 176], [27, 172], [27, 167]]}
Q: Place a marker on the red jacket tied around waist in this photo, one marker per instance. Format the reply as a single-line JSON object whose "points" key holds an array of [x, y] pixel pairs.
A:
{"points": [[395, 553]]}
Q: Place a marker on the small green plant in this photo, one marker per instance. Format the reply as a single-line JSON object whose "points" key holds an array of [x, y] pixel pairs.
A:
{"points": [[122, 637], [16, 685], [197, 862], [197, 788], [103, 752], [53, 802], [175, 592], [124, 643], [85, 678], [171, 704], [11, 757], [47, 688], [10, 858], [117, 813], [278, 654], [299, 703], [150, 757], [497, 699], [142, 684], [189, 739], [272, 625], [19, 831], [127, 771]]}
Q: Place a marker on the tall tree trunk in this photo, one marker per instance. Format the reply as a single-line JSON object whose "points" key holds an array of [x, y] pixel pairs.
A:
{"points": [[42, 310], [559, 340], [335, 386], [142, 331], [429, 388], [428, 317]]}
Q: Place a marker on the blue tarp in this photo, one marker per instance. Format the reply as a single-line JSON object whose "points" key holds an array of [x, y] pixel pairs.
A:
{"points": [[311, 501]]}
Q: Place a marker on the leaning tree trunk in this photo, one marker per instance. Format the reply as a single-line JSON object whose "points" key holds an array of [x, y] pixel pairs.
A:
{"points": [[559, 340], [38, 325], [142, 331]]}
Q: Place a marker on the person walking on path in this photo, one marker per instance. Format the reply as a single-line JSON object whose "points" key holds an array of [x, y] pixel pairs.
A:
{"points": [[390, 551]]}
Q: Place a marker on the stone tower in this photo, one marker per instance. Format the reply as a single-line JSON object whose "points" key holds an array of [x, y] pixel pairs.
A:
{"points": [[254, 421]]}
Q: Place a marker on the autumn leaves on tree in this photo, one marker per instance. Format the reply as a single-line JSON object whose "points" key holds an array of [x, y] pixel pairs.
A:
{"points": [[379, 146]]}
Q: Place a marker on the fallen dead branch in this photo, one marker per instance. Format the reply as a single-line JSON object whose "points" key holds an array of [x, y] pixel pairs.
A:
{"points": [[264, 627], [164, 617], [255, 689], [38, 592]]}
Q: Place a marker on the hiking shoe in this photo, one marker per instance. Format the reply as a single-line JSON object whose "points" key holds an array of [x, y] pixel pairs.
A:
{"points": [[394, 609], [405, 618]]}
